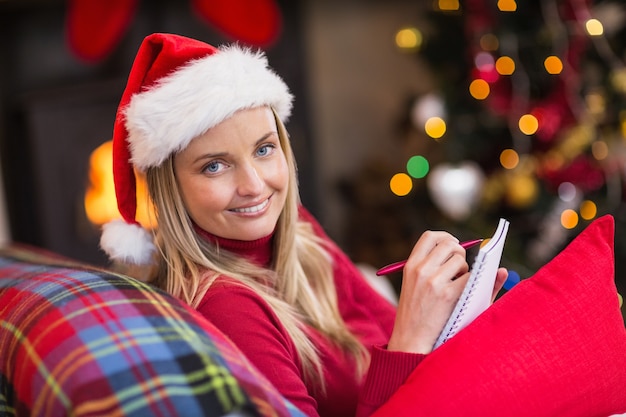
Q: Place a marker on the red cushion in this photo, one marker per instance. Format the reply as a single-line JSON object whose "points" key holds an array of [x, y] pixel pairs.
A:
{"points": [[555, 345]]}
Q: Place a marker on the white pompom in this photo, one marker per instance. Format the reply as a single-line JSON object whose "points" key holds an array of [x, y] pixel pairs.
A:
{"points": [[128, 243]]}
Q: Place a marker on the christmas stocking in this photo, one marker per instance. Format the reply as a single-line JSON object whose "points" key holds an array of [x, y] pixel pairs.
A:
{"points": [[253, 22], [94, 27]]}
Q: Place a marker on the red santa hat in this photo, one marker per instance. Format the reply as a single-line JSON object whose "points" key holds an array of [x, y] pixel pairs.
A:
{"points": [[177, 89]]}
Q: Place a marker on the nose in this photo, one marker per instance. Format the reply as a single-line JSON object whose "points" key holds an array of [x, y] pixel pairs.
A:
{"points": [[249, 180]]}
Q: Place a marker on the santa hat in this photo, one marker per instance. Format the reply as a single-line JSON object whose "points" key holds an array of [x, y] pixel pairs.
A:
{"points": [[177, 89]]}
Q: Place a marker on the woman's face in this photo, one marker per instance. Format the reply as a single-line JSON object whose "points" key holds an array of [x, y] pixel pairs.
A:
{"points": [[234, 178]]}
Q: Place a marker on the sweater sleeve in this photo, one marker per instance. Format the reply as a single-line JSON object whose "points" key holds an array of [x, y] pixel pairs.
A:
{"points": [[251, 324], [387, 372]]}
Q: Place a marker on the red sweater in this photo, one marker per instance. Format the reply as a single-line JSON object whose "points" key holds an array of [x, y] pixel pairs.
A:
{"points": [[252, 325]]}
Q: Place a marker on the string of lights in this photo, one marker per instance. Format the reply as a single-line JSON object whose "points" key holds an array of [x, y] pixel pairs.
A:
{"points": [[543, 96]]}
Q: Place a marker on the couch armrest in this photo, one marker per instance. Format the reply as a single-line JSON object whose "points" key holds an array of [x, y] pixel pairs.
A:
{"points": [[80, 341]]}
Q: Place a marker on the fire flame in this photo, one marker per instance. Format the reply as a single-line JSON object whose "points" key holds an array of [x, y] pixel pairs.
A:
{"points": [[100, 201]]}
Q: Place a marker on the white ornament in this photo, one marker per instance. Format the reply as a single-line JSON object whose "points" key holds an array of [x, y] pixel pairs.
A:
{"points": [[456, 189]]}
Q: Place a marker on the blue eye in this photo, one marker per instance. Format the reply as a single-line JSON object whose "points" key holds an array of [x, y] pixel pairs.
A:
{"points": [[265, 150], [213, 167]]}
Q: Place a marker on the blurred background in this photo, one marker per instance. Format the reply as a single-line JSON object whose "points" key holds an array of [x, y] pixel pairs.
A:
{"points": [[409, 115]]}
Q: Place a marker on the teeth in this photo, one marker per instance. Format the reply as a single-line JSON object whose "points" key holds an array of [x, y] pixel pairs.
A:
{"points": [[252, 209]]}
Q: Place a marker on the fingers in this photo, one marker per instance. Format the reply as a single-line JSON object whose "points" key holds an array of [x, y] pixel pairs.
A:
{"points": [[436, 247], [436, 259], [429, 240], [501, 277], [434, 277]]}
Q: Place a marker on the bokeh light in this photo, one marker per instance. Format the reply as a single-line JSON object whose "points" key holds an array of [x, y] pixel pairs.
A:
{"points": [[528, 124], [569, 219], [449, 5], [522, 191], [507, 5], [505, 65], [509, 159], [489, 42], [600, 150], [484, 61], [401, 184], [479, 89], [553, 161], [417, 166], [596, 103], [409, 39], [553, 65], [485, 67], [618, 80], [594, 27], [435, 127], [567, 191], [588, 210]]}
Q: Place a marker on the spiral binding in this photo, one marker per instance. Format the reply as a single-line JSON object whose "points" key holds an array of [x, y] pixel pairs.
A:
{"points": [[463, 307]]}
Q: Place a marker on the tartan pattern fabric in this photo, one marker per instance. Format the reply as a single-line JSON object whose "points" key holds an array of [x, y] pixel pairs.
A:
{"points": [[80, 341]]}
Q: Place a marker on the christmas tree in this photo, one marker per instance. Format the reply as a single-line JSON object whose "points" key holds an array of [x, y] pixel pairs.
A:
{"points": [[534, 103], [527, 121]]}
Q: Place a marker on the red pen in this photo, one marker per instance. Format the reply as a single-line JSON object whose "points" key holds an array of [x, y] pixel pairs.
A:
{"points": [[396, 266]]}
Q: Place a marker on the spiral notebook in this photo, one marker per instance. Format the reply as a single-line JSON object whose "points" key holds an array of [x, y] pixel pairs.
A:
{"points": [[476, 296]]}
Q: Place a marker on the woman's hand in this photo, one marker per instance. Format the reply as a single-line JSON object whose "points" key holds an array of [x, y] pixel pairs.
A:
{"points": [[434, 277]]}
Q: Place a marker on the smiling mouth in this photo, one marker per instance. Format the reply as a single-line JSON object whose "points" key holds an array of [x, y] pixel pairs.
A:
{"points": [[253, 209]]}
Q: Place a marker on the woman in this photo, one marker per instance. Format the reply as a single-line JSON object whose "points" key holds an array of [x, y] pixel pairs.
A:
{"points": [[206, 127]]}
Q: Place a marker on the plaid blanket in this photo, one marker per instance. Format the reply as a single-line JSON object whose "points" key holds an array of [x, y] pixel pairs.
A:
{"points": [[78, 341]]}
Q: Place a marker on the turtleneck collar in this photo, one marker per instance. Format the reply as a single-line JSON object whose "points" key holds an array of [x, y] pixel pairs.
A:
{"points": [[257, 251]]}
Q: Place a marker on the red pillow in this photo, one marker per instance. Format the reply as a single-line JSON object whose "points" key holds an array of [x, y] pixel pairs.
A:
{"points": [[555, 345]]}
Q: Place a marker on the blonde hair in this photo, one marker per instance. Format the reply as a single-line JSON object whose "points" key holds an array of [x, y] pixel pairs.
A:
{"points": [[299, 288]]}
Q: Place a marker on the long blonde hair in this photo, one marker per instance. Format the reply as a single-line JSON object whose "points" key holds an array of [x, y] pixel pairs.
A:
{"points": [[299, 287]]}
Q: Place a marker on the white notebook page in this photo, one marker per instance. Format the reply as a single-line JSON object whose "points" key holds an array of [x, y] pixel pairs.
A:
{"points": [[476, 296]]}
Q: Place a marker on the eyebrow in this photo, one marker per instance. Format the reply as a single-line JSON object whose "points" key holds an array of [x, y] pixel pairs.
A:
{"points": [[220, 154]]}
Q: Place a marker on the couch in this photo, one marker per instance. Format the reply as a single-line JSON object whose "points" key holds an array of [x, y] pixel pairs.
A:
{"points": [[82, 341]]}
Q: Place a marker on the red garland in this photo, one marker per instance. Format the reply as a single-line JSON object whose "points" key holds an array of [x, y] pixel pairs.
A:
{"points": [[583, 172]]}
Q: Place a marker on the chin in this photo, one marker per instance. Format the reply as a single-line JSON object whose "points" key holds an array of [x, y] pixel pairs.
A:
{"points": [[254, 232]]}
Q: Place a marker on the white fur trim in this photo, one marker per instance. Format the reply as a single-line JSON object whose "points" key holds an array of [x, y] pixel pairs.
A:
{"points": [[185, 104], [128, 243]]}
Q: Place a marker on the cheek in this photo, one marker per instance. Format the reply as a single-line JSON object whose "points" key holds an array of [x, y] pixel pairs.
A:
{"points": [[281, 174], [204, 196]]}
